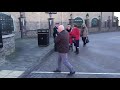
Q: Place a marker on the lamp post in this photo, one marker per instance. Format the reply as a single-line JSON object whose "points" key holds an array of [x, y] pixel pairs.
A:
{"points": [[99, 24], [71, 20], [61, 17], [22, 23], [112, 19], [109, 22], [87, 20], [51, 22], [101, 19]]}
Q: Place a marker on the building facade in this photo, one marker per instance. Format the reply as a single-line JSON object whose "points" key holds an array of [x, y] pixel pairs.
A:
{"points": [[39, 20], [35, 20]]}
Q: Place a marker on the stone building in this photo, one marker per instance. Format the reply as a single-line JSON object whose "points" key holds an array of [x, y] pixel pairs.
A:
{"points": [[37, 20]]}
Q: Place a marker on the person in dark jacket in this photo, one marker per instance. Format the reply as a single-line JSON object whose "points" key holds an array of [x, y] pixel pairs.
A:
{"points": [[62, 43], [55, 33]]}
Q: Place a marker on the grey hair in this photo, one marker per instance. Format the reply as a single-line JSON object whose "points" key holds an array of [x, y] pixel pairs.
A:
{"points": [[62, 27]]}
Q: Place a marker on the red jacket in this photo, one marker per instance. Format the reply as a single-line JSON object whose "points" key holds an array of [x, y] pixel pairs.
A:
{"points": [[75, 33]]}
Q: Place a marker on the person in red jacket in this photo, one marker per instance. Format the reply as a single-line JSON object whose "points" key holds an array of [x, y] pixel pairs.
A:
{"points": [[75, 33]]}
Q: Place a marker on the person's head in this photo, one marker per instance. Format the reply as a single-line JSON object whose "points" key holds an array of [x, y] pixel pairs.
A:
{"points": [[68, 26], [83, 25], [60, 28], [56, 24]]}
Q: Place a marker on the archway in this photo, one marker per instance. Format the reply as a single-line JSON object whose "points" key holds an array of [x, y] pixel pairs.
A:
{"points": [[79, 21], [94, 22]]}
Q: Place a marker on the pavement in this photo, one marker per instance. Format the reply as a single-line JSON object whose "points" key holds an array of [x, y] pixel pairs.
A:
{"points": [[25, 58], [99, 59]]}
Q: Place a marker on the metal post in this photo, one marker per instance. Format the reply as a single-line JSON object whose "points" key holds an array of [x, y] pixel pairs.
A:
{"points": [[99, 27], [22, 23], [50, 22], [61, 17], [112, 18], [71, 17], [101, 20]]}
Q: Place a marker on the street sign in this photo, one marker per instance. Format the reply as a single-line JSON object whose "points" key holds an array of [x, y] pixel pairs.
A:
{"points": [[1, 42], [78, 21]]}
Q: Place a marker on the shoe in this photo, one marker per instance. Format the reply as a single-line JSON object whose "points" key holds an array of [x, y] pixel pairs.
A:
{"points": [[57, 71], [74, 51], [77, 51], [71, 73]]}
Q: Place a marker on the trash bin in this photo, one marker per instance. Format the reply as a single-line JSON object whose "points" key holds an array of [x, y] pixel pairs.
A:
{"points": [[1, 42], [43, 37]]}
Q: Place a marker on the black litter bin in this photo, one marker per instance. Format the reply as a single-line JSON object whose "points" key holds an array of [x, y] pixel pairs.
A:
{"points": [[43, 37], [1, 42]]}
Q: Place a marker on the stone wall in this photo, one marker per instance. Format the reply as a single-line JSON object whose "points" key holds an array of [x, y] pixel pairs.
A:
{"points": [[95, 30], [8, 47], [8, 44], [2, 56]]}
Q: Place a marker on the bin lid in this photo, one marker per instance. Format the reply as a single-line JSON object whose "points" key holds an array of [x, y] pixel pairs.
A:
{"points": [[43, 30]]}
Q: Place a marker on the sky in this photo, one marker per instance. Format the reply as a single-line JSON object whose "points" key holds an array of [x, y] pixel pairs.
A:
{"points": [[118, 15]]}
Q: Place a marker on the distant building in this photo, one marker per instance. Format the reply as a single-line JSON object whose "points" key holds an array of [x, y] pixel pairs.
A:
{"points": [[36, 20]]}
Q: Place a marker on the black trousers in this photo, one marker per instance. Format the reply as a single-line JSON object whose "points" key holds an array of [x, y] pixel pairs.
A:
{"points": [[76, 43], [84, 40]]}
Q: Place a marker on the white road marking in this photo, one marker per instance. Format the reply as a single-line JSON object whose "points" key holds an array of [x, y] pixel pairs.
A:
{"points": [[77, 73], [116, 37]]}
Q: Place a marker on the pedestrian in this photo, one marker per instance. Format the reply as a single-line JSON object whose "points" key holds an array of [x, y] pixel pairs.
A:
{"points": [[70, 38], [75, 33], [84, 35], [62, 43], [55, 33]]}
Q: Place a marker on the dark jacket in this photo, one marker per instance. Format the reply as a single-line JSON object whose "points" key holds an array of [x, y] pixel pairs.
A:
{"points": [[55, 32], [62, 42], [69, 30]]}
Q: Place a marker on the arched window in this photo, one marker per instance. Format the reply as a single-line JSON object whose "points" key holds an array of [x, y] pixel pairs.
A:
{"points": [[78, 21], [94, 22]]}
